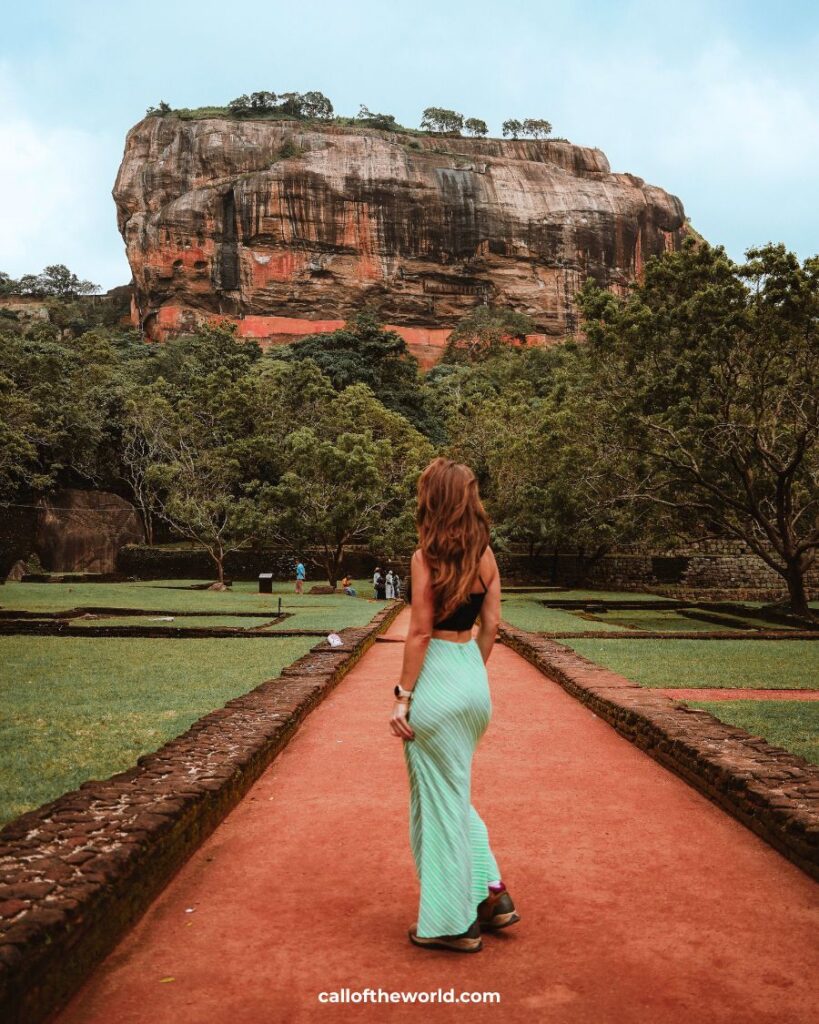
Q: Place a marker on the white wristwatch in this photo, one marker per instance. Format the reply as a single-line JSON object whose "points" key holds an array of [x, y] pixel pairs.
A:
{"points": [[400, 692]]}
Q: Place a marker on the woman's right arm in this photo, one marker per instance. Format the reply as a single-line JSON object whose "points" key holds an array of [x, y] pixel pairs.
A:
{"points": [[491, 607], [415, 646]]}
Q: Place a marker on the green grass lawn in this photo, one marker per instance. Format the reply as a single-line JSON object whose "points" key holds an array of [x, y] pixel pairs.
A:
{"points": [[171, 595], [527, 611], [334, 616], [793, 725], [533, 616], [775, 664], [76, 708]]}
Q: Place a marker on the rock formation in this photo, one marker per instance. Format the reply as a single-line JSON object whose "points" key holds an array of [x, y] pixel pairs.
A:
{"points": [[82, 531], [290, 229]]}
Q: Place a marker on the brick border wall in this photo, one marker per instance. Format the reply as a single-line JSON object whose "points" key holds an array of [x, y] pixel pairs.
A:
{"points": [[771, 791], [76, 873]]}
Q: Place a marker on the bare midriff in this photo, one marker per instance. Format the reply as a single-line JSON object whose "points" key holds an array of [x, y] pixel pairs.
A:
{"points": [[454, 636]]}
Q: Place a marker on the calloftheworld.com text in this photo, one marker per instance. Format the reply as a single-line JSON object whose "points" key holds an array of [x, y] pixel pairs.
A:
{"points": [[381, 995]]}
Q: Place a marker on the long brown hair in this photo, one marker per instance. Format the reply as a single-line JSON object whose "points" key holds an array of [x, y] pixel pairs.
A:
{"points": [[453, 531]]}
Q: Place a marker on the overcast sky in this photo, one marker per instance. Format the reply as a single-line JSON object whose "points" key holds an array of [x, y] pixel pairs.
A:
{"points": [[717, 102]]}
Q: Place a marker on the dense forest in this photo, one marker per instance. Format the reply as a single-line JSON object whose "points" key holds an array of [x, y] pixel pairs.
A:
{"points": [[685, 409]]}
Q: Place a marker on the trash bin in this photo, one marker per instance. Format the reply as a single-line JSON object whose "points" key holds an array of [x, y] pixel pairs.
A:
{"points": [[265, 582]]}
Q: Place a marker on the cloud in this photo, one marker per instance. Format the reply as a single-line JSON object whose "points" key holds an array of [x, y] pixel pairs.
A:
{"points": [[55, 185]]}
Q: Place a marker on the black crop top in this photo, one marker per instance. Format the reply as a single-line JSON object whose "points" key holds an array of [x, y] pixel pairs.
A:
{"points": [[464, 615]]}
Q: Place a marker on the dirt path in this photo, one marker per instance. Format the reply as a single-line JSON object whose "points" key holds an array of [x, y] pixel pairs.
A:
{"points": [[641, 902]]}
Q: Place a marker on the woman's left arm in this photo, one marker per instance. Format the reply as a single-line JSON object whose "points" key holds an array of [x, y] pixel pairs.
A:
{"points": [[490, 609]]}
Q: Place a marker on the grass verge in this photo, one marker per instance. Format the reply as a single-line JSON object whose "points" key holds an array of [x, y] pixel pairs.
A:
{"points": [[793, 725], [772, 664], [76, 708]]}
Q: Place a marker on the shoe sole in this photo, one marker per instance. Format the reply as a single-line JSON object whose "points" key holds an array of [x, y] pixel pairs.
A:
{"points": [[500, 921], [456, 945]]}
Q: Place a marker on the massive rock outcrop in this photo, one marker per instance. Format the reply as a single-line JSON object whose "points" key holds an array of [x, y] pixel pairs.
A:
{"points": [[291, 228]]}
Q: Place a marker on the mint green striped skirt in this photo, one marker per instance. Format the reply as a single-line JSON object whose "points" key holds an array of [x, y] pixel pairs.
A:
{"points": [[450, 711]]}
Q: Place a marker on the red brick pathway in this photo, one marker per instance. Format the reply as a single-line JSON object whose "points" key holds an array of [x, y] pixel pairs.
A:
{"points": [[641, 902]]}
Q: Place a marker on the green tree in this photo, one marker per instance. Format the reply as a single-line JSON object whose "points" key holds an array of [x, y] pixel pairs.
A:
{"points": [[438, 119], [386, 122], [710, 375], [147, 426], [198, 493], [240, 106], [348, 477], [56, 280], [536, 127], [553, 485], [512, 127], [262, 100], [484, 331], [364, 352], [188, 362], [24, 431], [75, 388], [475, 126], [316, 105]]}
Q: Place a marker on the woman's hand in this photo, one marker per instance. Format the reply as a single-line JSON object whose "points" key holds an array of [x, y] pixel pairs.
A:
{"points": [[399, 722]]}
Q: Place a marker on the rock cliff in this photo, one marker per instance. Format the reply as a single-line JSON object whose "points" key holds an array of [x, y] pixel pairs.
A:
{"points": [[290, 228]]}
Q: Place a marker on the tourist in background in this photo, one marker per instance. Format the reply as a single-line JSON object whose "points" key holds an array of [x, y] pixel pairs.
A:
{"points": [[390, 581], [347, 586], [300, 577], [376, 577]]}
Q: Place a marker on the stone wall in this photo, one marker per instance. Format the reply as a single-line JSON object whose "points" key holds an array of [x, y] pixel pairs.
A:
{"points": [[723, 565], [187, 563], [17, 528]]}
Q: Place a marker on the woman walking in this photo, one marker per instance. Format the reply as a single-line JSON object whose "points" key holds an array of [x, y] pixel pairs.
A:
{"points": [[443, 707]]}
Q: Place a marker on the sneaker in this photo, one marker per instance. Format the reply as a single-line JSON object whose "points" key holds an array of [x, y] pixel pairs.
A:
{"points": [[497, 910], [467, 942]]}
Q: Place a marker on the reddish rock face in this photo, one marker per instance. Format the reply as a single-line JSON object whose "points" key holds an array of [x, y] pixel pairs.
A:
{"points": [[278, 226]]}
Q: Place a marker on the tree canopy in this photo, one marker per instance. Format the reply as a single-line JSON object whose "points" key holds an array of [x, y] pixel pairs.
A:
{"points": [[710, 374], [688, 408]]}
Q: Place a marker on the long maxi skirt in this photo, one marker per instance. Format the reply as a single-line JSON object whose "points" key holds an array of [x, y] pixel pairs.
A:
{"points": [[450, 711]]}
